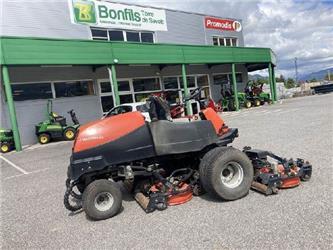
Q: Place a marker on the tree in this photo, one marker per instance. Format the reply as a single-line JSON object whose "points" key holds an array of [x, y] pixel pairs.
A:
{"points": [[313, 80], [280, 79], [290, 83]]}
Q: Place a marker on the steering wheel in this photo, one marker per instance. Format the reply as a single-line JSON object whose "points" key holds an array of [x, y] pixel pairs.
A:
{"points": [[194, 94]]}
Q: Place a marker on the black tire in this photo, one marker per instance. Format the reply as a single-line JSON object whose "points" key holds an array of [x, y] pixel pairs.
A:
{"points": [[231, 106], [101, 191], [256, 102], [69, 134], [44, 138], [247, 104], [5, 147], [217, 165]]}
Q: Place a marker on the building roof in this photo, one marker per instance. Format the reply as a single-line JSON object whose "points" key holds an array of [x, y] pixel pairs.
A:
{"points": [[41, 51]]}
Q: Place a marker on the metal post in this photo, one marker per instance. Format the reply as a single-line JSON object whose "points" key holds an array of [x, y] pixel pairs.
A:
{"points": [[113, 79], [11, 108], [186, 91], [234, 85], [274, 84], [270, 79]]}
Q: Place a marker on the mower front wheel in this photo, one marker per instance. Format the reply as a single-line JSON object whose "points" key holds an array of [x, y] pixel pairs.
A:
{"points": [[44, 138], [226, 173], [248, 104], [102, 199]]}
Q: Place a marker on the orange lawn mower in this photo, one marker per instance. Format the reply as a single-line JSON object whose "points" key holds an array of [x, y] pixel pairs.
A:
{"points": [[164, 163]]}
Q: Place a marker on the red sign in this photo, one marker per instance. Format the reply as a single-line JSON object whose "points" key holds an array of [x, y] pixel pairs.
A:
{"points": [[222, 24]]}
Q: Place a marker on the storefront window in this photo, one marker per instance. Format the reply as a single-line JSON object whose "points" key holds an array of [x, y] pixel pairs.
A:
{"points": [[126, 99], [105, 87], [123, 86], [172, 97], [202, 81], [190, 81], [73, 88], [146, 84], [107, 103], [170, 82], [31, 91], [220, 79], [142, 97]]}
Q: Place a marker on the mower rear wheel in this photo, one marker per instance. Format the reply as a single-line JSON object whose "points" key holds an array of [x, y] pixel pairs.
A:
{"points": [[102, 199], [256, 102], [226, 173], [44, 138], [69, 134], [5, 147]]}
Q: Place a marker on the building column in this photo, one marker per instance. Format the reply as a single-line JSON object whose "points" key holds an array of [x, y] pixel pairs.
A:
{"points": [[234, 85], [11, 108], [113, 80], [274, 85], [186, 91], [271, 83]]}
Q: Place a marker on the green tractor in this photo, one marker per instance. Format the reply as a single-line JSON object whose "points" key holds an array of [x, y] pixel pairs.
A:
{"points": [[228, 102], [55, 126], [256, 95], [243, 101], [6, 140]]}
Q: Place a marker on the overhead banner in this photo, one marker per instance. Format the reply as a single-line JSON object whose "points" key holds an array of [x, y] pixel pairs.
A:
{"points": [[114, 15], [222, 24]]}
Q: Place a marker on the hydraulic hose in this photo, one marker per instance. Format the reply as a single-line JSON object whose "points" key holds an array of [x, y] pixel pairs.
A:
{"points": [[68, 193]]}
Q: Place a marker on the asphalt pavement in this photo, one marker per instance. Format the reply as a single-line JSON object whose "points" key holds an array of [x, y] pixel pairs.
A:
{"points": [[33, 185]]}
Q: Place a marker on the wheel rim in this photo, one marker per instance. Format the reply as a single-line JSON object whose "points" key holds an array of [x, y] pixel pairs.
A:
{"points": [[248, 104], [4, 148], [43, 139], [232, 175], [103, 201], [69, 134]]}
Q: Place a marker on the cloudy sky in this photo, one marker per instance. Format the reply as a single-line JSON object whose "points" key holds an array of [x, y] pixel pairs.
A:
{"points": [[302, 29]]}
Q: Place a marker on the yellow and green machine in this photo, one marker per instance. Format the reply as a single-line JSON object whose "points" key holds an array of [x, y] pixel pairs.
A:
{"points": [[6, 140], [55, 126]]}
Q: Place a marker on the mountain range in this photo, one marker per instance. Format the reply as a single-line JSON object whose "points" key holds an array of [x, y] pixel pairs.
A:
{"points": [[319, 75]]}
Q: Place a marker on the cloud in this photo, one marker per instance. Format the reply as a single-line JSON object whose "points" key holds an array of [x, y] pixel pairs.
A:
{"points": [[302, 29]]}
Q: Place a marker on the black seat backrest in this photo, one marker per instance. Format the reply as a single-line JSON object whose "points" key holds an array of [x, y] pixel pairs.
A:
{"points": [[178, 137]]}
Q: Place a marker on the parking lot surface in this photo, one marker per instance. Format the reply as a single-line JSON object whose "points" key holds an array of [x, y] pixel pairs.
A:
{"points": [[33, 185]]}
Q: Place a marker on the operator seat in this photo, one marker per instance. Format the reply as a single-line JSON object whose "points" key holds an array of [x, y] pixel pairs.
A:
{"points": [[58, 118]]}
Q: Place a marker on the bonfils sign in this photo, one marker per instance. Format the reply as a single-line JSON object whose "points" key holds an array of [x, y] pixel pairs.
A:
{"points": [[222, 24], [112, 15]]}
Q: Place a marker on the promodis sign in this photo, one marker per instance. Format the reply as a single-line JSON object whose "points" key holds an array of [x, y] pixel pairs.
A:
{"points": [[222, 24]]}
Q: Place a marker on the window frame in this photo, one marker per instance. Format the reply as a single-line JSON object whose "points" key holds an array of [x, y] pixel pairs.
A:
{"points": [[124, 35], [229, 38], [53, 88]]}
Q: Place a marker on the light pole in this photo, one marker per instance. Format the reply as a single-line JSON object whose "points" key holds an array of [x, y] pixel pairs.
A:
{"points": [[296, 72]]}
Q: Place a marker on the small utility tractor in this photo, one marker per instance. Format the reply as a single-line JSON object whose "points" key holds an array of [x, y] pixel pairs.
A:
{"points": [[55, 126], [256, 95], [6, 140], [162, 163]]}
